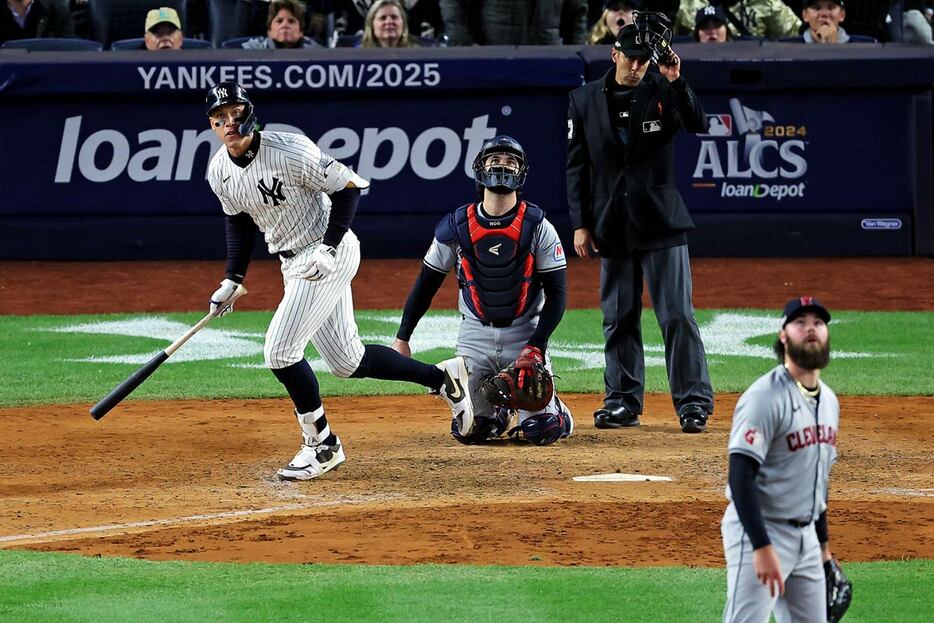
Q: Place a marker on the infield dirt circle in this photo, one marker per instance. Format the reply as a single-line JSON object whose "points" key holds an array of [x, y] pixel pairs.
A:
{"points": [[196, 480]]}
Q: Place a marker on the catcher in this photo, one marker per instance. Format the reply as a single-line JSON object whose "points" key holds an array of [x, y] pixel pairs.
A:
{"points": [[511, 272]]}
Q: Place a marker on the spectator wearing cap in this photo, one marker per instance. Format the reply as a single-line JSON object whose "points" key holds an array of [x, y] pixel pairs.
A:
{"points": [[616, 14], [772, 19], [163, 30], [32, 19], [285, 28], [823, 18], [710, 25], [626, 208]]}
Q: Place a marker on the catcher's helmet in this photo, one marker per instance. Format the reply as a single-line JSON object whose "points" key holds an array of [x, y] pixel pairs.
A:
{"points": [[225, 93], [654, 33], [499, 178], [546, 428]]}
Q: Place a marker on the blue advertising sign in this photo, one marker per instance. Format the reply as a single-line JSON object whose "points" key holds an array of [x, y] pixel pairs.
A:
{"points": [[795, 153], [143, 158]]}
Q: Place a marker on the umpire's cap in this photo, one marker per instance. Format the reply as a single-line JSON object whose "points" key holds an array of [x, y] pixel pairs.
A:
{"points": [[801, 305]]}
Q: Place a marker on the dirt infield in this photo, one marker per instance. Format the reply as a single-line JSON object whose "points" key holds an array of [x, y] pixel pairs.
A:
{"points": [[195, 480]]}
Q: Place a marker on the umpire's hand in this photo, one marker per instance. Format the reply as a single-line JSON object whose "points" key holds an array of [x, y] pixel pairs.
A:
{"points": [[584, 245]]}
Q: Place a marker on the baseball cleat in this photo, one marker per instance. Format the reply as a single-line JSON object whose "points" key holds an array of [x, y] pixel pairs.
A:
{"points": [[567, 419], [313, 461], [456, 392]]}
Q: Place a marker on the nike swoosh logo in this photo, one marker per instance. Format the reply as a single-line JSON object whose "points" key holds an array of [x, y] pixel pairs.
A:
{"points": [[225, 179], [458, 394]]}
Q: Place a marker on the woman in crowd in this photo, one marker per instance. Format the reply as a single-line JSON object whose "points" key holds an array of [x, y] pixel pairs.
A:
{"points": [[616, 14]]}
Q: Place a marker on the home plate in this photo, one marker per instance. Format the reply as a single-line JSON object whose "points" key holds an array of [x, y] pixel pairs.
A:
{"points": [[621, 478]]}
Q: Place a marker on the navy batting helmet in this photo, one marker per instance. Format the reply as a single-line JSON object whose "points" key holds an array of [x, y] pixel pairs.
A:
{"points": [[499, 178], [225, 93]]}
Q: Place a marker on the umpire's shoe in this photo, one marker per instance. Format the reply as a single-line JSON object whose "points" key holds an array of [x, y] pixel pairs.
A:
{"points": [[616, 417], [313, 461], [693, 419], [456, 392]]}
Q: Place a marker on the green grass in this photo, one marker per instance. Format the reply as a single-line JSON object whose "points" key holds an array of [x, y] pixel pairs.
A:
{"points": [[41, 366], [62, 587]]}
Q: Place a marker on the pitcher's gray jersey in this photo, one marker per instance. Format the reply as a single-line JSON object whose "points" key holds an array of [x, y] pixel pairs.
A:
{"points": [[546, 249], [284, 188], [794, 439]]}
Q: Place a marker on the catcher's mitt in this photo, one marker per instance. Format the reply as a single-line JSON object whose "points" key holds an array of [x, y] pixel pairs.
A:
{"points": [[502, 389], [839, 591]]}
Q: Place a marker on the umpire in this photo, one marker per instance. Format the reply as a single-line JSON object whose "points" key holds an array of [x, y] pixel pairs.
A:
{"points": [[624, 206]]}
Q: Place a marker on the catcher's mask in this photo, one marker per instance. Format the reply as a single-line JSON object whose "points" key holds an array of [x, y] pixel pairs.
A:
{"points": [[653, 33], [225, 93], [497, 177]]}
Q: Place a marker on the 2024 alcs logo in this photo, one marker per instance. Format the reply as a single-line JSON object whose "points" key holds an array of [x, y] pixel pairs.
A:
{"points": [[747, 144]]}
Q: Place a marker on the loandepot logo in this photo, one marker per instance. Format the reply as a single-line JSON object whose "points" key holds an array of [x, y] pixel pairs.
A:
{"points": [[747, 154], [727, 334]]}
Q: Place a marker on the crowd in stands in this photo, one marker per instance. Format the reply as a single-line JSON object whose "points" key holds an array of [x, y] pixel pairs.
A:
{"points": [[275, 24]]}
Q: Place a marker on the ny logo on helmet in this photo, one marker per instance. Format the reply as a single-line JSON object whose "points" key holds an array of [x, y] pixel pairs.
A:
{"points": [[274, 193], [222, 93]]}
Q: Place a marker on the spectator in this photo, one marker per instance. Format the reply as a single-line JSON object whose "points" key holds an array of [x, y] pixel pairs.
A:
{"points": [[616, 14], [772, 19], [31, 19], [502, 22], [285, 28], [386, 26], [163, 30], [573, 25], [422, 16], [916, 22], [710, 25], [823, 18]]}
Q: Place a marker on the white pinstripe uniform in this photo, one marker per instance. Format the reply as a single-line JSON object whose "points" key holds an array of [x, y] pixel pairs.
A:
{"points": [[284, 189]]}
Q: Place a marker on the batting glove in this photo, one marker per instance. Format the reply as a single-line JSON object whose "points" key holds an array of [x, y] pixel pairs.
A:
{"points": [[527, 359], [320, 264], [221, 296]]}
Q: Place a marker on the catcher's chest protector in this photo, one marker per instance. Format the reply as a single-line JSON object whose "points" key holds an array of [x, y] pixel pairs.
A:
{"points": [[497, 264]]}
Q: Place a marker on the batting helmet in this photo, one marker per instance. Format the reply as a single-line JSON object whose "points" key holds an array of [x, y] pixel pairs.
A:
{"points": [[499, 178], [225, 93]]}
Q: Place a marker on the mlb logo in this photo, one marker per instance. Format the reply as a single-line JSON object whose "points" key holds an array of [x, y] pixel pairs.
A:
{"points": [[719, 125], [651, 126]]}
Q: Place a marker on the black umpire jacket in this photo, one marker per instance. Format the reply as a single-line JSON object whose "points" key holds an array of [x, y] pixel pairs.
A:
{"points": [[627, 198]]}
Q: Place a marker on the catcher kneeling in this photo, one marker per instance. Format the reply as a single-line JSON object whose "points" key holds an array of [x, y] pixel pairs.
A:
{"points": [[511, 272]]}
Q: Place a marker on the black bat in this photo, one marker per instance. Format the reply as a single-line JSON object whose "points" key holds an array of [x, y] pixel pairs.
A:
{"points": [[136, 379]]}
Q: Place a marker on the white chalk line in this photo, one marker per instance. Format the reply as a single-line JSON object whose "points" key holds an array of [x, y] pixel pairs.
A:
{"points": [[175, 521]]}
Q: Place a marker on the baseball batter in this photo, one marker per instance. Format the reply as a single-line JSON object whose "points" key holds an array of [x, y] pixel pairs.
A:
{"points": [[304, 201], [782, 445], [511, 271]]}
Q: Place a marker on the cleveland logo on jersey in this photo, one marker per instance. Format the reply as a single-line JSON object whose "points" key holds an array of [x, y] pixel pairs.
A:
{"points": [[810, 435], [273, 192]]}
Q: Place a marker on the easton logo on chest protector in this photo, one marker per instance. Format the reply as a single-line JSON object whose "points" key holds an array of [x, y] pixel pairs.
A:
{"points": [[273, 192], [497, 267]]}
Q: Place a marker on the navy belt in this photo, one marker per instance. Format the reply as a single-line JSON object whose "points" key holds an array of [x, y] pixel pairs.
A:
{"points": [[799, 524], [287, 254]]}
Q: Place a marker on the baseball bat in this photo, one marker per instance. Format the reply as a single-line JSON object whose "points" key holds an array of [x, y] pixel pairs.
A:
{"points": [[136, 379]]}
